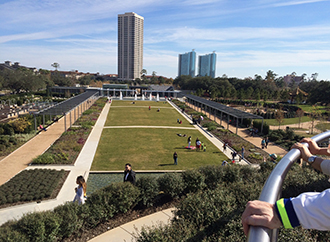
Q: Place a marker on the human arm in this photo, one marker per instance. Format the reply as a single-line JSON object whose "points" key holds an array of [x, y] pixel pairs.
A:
{"points": [[314, 148], [318, 164]]}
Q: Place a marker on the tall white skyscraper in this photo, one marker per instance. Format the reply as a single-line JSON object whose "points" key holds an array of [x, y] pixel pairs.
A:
{"points": [[130, 46]]}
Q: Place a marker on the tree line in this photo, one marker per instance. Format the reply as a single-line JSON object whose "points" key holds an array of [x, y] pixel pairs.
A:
{"points": [[258, 88]]}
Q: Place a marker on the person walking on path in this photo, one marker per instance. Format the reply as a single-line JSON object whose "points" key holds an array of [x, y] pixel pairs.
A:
{"points": [[80, 190], [242, 152], [129, 174], [266, 142], [189, 142], [224, 146], [175, 158], [263, 143]]}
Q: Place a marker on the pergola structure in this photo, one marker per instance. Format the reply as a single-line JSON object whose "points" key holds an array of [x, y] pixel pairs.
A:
{"points": [[78, 104], [219, 110]]}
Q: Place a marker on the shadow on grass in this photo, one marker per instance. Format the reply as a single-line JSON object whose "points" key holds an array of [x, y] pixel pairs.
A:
{"points": [[171, 164]]}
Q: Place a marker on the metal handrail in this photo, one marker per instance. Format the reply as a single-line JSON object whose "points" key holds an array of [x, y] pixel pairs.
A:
{"points": [[273, 188]]}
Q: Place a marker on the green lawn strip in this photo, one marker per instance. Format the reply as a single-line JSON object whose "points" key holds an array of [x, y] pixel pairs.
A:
{"points": [[287, 121], [152, 149], [137, 115]]}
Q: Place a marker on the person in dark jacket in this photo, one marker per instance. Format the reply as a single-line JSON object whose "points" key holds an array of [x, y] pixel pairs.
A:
{"points": [[129, 174]]}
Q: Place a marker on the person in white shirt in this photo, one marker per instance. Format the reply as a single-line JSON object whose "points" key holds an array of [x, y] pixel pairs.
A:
{"points": [[311, 210]]}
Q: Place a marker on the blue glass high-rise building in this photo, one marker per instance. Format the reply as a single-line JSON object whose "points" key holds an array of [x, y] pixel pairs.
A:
{"points": [[187, 63], [206, 65]]}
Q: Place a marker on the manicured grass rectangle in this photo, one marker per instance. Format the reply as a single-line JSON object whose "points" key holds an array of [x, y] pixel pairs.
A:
{"points": [[152, 149], [127, 114]]}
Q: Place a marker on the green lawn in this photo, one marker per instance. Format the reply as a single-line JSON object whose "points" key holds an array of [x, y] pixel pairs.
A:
{"points": [[151, 149], [127, 114]]}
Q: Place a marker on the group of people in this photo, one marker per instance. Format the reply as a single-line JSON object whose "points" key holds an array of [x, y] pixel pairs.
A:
{"points": [[264, 143], [80, 190]]}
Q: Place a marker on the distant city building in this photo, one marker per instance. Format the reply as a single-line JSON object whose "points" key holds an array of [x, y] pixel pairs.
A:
{"points": [[187, 63], [206, 65], [10, 66], [293, 80], [130, 46]]}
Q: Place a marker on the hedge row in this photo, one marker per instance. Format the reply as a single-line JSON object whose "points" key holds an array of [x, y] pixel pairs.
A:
{"points": [[30, 185], [69, 219], [215, 214]]}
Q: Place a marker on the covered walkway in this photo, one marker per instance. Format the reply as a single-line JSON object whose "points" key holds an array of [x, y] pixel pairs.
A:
{"points": [[221, 111]]}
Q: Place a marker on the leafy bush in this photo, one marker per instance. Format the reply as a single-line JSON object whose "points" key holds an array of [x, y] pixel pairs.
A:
{"points": [[213, 175], [171, 184], [70, 221], [9, 234], [109, 201], [149, 189], [193, 181]]}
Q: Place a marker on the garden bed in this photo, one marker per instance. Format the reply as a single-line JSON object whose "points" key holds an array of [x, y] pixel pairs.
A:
{"points": [[67, 148], [32, 185]]}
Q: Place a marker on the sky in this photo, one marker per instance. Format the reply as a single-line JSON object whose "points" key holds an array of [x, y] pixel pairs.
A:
{"points": [[249, 37]]}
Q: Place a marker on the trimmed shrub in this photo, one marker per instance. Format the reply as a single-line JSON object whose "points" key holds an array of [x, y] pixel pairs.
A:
{"points": [[193, 181], [171, 184], [70, 221], [149, 189], [204, 207], [9, 234], [32, 225], [109, 201], [213, 175]]}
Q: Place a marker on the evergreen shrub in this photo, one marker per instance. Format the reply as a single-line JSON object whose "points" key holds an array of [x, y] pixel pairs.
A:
{"points": [[193, 181], [171, 184], [149, 189]]}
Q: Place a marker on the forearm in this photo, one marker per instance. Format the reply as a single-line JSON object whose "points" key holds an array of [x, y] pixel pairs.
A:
{"points": [[322, 151]]}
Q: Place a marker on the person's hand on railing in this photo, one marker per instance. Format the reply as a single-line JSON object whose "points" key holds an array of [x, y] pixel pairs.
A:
{"points": [[260, 213], [313, 147], [304, 151]]}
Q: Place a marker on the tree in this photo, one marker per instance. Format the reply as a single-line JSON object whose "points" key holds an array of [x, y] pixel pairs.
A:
{"points": [[314, 115], [300, 114], [143, 74], [270, 76], [55, 65], [279, 116]]}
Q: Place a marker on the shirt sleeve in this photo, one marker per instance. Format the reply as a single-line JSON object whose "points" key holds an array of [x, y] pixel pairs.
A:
{"points": [[311, 210], [325, 167]]}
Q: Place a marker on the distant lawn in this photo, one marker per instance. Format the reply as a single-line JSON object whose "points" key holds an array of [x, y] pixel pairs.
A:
{"points": [[287, 121], [124, 113], [152, 149], [310, 108]]}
